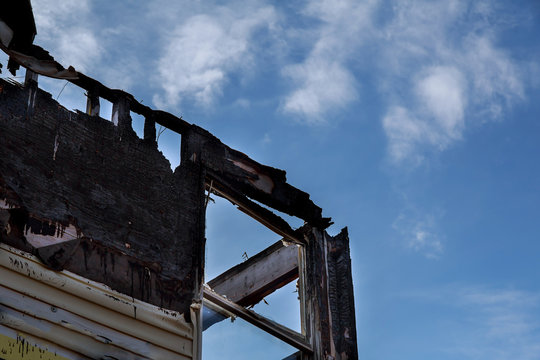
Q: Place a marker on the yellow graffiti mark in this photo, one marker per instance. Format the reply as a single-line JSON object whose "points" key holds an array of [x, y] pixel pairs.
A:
{"points": [[21, 349]]}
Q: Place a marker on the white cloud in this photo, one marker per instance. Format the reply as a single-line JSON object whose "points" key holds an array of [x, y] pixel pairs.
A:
{"points": [[64, 29], [48, 13], [202, 52], [404, 131], [78, 47], [323, 80], [495, 76], [419, 234], [442, 92], [440, 63], [426, 242], [444, 52], [324, 84], [437, 119], [123, 73]]}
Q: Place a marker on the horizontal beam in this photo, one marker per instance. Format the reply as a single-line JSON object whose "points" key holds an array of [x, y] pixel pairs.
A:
{"points": [[257, 212], [281, 332], [163, 118], [249, 282], [49, 67]]}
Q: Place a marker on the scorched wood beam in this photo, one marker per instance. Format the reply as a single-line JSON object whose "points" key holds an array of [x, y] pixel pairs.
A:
{"points": [[259, 213], [262, 274]]}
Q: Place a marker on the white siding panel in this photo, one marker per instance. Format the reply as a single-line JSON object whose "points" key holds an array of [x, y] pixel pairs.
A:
{"points": [[85, 317]]}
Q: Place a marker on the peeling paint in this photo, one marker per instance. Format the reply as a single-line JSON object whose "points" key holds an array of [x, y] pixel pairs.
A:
{"points": [[262, 182]]}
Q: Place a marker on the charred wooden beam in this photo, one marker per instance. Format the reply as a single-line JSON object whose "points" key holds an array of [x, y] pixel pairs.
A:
{"points": [[259, 182], [18, 28], [283, 333], [249, 282], [163, 118], [120, 113], [17, 31], [31, 85], [257, 212], [341, 294], [329, 301], [318, 319], [150, 130], [30, 78], [92, 102]]}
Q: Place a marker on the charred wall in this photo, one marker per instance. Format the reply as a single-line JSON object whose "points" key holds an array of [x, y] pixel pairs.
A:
{"points": [[90, 197]]}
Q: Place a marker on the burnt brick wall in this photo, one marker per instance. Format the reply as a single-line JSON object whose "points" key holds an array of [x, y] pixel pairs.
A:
{"points": [[140, 226]]}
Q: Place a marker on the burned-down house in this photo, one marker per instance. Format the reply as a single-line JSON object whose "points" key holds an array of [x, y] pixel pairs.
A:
{"points": [[102, 245]]}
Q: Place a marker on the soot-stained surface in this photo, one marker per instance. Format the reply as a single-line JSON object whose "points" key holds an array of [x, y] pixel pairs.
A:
{"points": [[97, 201]]}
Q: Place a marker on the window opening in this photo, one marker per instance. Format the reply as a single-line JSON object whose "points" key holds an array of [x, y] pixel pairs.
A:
{"points": [[242, 254]]}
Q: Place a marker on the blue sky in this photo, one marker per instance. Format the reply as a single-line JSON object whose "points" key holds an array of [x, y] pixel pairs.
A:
{"points": [[414, 123]]}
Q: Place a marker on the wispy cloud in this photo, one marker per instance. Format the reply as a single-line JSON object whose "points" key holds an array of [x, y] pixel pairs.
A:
{"points": [[490, 323], [202, 52], [437, 118], [323, 81], [65, 30], [456, 74], [324, 84], [438, 65], [419, 233]]}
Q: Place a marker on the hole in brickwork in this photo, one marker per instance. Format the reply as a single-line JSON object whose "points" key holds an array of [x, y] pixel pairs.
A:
{"points": [[137, 123], [169, 144]]}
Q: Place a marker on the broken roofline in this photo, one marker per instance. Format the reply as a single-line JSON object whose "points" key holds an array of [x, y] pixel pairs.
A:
{"points": [[233, 173]]}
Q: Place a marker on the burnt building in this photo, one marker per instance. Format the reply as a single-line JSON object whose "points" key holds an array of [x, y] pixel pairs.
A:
{"points": [[102, 244]]}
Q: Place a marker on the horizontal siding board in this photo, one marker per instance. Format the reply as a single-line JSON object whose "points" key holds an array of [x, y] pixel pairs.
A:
{"points": [[68, 282], [44, 311], [60, 335], [89, 311], [11, 341]]}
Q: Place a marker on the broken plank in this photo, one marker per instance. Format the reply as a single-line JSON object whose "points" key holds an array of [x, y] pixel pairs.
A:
{"points": [[283, 333], [249, 282]]}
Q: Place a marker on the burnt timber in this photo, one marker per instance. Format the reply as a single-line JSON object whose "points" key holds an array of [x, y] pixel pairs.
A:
{"points": [[86, 194]]}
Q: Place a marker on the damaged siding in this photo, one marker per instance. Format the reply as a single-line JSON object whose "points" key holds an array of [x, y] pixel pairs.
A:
{"points": [[47, 312]]}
